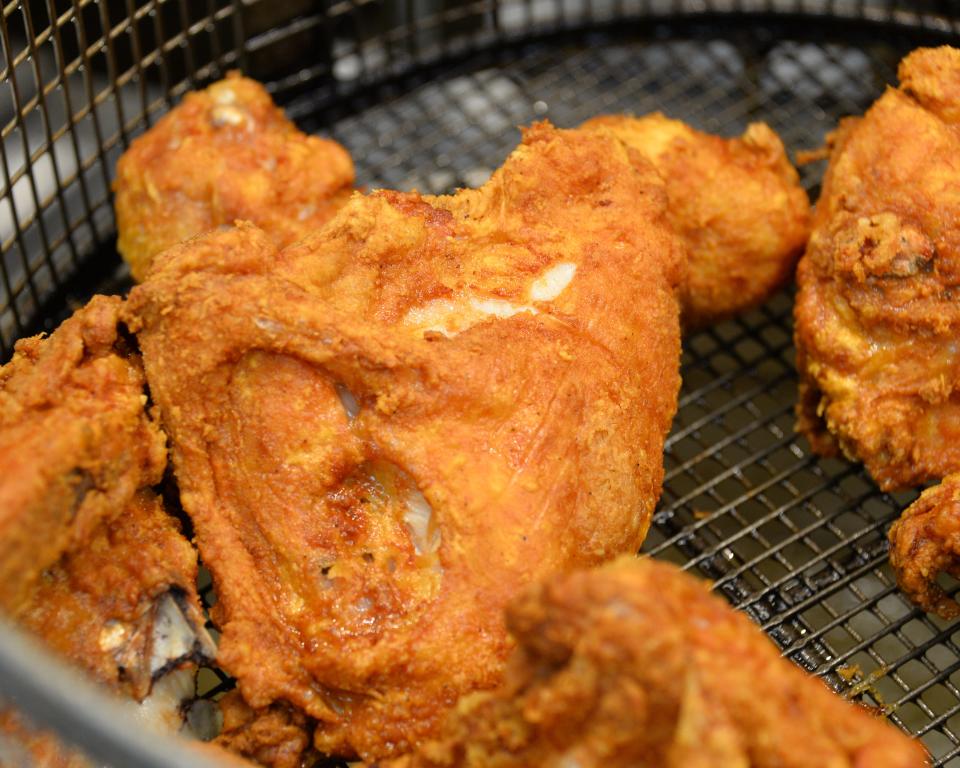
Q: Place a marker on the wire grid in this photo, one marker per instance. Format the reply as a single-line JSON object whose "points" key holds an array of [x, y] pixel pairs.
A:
{"points": [[78, 79], [796, 541]]}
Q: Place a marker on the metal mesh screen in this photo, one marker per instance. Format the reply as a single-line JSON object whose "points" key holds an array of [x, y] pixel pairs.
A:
{"points": [[796, 541]]}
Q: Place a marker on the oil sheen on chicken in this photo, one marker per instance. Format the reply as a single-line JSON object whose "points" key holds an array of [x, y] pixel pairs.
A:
{"points": [[225, 153], [635, 665], [383, 432], [93, 565], [877, 318]]}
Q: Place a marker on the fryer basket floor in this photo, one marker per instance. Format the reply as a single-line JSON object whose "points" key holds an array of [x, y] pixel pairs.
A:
{"points": [[796, 541]]}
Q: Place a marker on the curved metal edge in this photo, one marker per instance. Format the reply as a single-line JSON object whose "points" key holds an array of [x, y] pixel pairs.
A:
{"points": [[55, 696]]}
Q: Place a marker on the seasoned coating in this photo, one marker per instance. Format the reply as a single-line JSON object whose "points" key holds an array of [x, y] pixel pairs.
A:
{"points": [[736, 203], [876, 315], [385, 431], [91, 562], [112, 607], [636, 664], [75, 444], [924, 542], [278, 736], [223, 154], [124, 609]]}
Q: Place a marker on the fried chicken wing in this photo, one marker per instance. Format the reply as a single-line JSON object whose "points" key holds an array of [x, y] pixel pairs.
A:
{"points": [[223, 154], [91, 562], [636, 664], [124, 608], [877, 320], [385, 431], [737, 204]]}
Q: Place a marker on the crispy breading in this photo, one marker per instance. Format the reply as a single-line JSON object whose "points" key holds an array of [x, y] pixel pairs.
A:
{"points": [[92, 564], [737, 203], [924, 542], [103, 608], [225, 153], [636, 665], [278, 736], [385, 431], [98, 606], [75, 443], [876, 313]]}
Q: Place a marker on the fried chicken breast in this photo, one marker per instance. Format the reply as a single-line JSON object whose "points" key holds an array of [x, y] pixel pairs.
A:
{"points": [[225, 153], [876, 313], [636, 665], [385, 431], [736, 203]]}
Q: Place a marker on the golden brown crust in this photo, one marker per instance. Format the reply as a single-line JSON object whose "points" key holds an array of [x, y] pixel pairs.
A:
{"points": [[932, 77], [90, 558], [96, 606], [736, 203], [924, 542], [278, 736], [636, 665], [876, 315], [76, 399], [225, 153], [527, 426]]}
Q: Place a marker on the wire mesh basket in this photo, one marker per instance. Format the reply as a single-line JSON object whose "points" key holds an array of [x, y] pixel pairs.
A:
{"points": [[428, 94]]}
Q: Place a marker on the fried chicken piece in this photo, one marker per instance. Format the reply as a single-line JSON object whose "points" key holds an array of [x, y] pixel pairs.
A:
{"points": [[124, 608], [75, 444], [91, 562], [636, 664], [385, 431], [737, 204], [225, 153], [876, 313], [924, 542], [278, 736]]}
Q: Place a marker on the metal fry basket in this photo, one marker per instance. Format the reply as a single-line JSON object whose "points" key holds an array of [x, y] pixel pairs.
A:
{"points": [[428, 94]]}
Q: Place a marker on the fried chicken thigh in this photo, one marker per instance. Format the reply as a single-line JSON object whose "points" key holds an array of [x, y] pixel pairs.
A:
{"points": [[636, 664], [877, 320], [382, 433], [223, 154], [736, 203], [91, 562]]}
